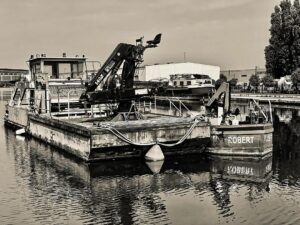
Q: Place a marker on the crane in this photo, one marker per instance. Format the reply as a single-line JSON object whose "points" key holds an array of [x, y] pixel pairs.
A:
{"points": [[128, 55], [223, 97]]}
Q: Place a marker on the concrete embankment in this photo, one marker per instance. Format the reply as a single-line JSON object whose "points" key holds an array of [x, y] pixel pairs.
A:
{"points": [[266, 97]]}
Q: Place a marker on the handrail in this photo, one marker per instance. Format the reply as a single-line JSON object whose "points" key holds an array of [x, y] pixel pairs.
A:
{"points": [[69, 99], [270, 109], [171, 103], [182, 104], [262, 112]]}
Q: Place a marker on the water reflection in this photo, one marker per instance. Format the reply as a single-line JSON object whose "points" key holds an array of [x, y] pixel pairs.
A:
{"points": [[129, 192], [42, 186], [287, 133]]}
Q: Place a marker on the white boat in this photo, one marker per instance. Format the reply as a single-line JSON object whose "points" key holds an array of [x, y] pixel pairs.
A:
{"points": [[194, 85]]}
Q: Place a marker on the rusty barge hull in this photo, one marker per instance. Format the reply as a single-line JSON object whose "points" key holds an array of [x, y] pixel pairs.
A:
{"points": [[16, 117], [90, 142]]}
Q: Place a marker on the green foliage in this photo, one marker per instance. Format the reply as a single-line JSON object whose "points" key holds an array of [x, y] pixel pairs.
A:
{"points": [[254, 81], [268, 81], [222, 79], [283, 52], [233, 82], [296, 77]]}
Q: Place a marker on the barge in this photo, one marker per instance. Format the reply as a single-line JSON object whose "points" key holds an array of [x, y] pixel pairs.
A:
{"points": [[99, 116], [121, 139], [96, 117]]}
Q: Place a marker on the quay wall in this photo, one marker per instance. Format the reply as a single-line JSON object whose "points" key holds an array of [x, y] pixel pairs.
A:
{"points": [[274, 98]]}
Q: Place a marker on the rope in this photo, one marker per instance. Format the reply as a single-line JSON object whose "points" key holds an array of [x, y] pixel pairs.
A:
{"points": [[122, 137]]}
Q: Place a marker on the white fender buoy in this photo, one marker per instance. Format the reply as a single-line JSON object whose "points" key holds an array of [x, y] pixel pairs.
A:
{"points": [[155, 154], [20, 138], [20, 131], [155, 167]]}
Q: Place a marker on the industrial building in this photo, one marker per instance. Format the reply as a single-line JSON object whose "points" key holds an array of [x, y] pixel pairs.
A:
{"points": [[243, 75], [163, 71], [11, 75]]}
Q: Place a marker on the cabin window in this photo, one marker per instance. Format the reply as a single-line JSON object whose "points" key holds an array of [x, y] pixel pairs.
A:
{"points": [[77, 70], [37, 68], [207, 82], [74, 70], [175, 83], [181, 83], [48, 70], [188, 82], [64, 70], [244, 75]]}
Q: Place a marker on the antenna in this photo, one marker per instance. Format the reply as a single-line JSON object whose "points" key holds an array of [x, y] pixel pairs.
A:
{"points": [[139, 41]]}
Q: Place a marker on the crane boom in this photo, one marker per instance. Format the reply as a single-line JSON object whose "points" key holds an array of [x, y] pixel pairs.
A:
{"points": [[223, 89], [130, 56]]}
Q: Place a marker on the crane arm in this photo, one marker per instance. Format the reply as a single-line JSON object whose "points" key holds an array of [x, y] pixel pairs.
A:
{"points": [[113, 63], [127, 54], [223, 89]]}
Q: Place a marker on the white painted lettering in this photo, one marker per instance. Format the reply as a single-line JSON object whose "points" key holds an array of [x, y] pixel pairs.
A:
{"points": [[233, 170], [251, 172], [229, 169], [247, 139], [240, 140], [240, 170]]}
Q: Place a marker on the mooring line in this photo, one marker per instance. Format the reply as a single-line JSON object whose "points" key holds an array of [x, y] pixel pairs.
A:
{"points": [[121, 136]]}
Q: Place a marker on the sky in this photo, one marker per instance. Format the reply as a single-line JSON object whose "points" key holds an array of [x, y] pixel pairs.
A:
{"points": [[231, 34]]}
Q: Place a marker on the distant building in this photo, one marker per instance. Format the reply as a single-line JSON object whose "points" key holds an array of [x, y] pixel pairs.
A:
{"points": [[163, 71], [11, 75], [244, 75]]}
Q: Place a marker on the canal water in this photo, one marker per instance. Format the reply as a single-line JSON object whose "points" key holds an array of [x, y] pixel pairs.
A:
{"points": [[39, 185]]}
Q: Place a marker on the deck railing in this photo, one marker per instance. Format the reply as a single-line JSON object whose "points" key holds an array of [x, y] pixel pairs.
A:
{"points": [[176, 106]]}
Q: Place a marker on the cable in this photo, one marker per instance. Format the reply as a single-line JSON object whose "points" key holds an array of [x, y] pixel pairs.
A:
{"points": [[122, 137]]}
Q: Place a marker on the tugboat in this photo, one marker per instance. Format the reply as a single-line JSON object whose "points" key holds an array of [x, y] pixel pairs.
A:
{"points": [[236, 134]]}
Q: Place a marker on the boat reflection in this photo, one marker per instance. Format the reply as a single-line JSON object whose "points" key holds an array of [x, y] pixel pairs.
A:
{"points": [[243, 169], [133, 191]]}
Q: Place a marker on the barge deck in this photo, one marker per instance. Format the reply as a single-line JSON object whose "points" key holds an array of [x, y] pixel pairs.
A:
{"points": [[122, 139]]}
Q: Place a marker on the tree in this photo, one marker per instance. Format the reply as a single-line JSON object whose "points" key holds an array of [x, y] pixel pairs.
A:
{"points": [[296, 78], [222, 79], [268, 81], [283, 52], [233, 82], [254, 81]]}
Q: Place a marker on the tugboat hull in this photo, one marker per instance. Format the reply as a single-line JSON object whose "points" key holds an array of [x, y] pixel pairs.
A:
{"points": [[242, 140]]}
